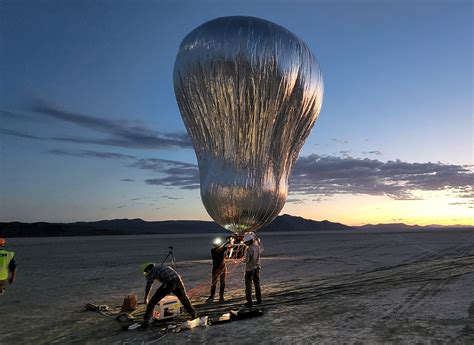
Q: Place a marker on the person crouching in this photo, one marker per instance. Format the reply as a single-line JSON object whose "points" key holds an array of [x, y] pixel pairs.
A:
{"points": [[171, 282]]}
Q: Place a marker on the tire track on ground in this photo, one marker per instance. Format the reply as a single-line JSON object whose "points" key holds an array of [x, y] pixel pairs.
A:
{"points": [[417, 298]]}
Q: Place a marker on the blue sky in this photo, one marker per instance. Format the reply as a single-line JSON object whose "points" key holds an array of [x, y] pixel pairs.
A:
{"points": [[90, 129]]}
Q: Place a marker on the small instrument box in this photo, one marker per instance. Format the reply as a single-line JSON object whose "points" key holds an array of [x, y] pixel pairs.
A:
{"points": [[170, 306]]}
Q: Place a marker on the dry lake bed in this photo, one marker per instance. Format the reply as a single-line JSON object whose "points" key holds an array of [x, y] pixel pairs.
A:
{"points": [[325, 288]]}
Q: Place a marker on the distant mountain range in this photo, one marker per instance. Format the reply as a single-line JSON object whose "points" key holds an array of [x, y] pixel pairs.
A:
{"points": [[141, 227], [402, 226]]}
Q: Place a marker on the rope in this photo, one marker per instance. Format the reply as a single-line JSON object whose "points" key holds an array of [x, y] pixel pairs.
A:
{"points": [[204, 285]]}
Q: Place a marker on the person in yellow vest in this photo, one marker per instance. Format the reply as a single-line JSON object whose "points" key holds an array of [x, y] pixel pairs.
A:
{"points": [[7, 266]]}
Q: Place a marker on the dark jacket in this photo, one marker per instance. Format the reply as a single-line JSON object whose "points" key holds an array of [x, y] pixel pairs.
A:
{"points": [[218, 257]]}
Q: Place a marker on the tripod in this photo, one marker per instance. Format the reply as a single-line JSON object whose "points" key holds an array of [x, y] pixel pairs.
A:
{"points": [[170, 256]]}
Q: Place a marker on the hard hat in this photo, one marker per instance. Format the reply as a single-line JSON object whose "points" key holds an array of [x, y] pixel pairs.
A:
{"points": [[2, 241], [145, 266], [248, 237]]}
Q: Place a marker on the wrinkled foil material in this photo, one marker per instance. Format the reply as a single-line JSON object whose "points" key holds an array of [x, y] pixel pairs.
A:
{"points": [[249, 92]]}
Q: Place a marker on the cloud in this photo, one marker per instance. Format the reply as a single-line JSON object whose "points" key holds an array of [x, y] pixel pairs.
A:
{"points": [[468, 194], [92, 154], [118, 133], [121, 133], [469, 203], [171, 197], [319, 199], [127, 180], [323, 176], [329, 175], [338, 141], [19, 134], [345, 154], [174, 173], [158, 165], [13, 115], [397, 220], [375, 153], [294, 201]]}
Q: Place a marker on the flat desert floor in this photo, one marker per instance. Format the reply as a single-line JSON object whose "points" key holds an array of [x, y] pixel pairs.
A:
{"points": [[325, 288]]}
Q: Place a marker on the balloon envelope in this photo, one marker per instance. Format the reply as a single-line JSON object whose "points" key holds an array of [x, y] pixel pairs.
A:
{"points": [[249, 92]]}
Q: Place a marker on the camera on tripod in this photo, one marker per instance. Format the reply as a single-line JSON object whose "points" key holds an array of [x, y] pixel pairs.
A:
{"points": [[171, 257]]}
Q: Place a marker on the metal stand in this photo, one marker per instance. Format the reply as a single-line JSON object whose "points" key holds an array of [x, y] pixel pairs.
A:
{"points": [[171, 256]]}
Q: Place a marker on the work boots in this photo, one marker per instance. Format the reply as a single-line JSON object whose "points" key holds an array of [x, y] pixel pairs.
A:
{"points": [[145, 325]]}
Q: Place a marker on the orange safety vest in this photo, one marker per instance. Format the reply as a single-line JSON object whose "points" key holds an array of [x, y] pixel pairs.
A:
{"points": [[5, 258]]}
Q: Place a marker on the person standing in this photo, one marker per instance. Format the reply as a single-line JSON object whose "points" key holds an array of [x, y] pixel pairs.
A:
{"points": [[219, 271], [7, 266], [171, 282], [252, 268]]}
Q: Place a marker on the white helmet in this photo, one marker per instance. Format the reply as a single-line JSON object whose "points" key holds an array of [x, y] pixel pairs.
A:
{"points": [[248, 237]]}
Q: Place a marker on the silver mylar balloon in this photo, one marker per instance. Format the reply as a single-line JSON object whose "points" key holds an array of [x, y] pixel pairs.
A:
{"points": [[249, 92]]}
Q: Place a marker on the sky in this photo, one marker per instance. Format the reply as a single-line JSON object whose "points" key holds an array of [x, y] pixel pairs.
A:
{"points": [[90, 128]]}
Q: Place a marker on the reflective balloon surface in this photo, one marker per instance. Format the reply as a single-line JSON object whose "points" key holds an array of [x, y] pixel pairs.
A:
{"points": [[249, 92]]}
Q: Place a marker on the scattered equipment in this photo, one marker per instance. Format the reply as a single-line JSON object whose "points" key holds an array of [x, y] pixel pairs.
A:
{"points": [[245, 313], [224, 318], [132, 327], [170, 306], [235, 315], [124, 317], [95, 307], [235, 245], [235, 248], [190, 324], [129, 303]]}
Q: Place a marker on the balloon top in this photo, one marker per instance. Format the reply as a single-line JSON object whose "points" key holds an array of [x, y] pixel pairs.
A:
{"points": [[249, 92]]}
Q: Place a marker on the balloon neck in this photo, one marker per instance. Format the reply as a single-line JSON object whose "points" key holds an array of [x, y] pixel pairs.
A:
{"points": [[240, 199], [237, 228]]}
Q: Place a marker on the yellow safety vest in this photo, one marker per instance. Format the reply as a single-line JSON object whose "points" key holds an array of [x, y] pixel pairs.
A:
{"points": [[5, 258]]}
